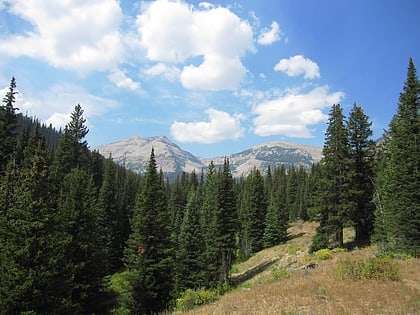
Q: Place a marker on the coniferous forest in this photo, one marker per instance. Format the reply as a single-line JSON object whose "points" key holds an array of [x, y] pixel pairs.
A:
{"points": [[72, 222]]}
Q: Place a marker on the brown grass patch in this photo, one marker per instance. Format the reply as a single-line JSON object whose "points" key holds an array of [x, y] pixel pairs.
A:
{"points": [[316, 291]]}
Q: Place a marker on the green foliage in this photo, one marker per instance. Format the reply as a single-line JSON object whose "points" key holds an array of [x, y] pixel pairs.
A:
{"points": [[374, 268], [148, 254], [397, 216], [279, 274], [190, 299], [323, 254], [119, 283]]}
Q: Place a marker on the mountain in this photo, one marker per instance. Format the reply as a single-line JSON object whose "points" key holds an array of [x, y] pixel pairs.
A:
{"points": [[134, 153]]}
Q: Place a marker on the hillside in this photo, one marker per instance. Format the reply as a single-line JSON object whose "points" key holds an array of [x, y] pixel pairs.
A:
{"points": [[273, 282], [134, 153]]}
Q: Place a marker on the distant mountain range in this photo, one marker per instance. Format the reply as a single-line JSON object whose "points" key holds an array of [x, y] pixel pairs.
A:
{"points": [[134, 153]]}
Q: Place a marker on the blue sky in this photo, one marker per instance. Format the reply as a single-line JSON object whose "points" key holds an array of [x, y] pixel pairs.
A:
{"points": [[214, 77]]}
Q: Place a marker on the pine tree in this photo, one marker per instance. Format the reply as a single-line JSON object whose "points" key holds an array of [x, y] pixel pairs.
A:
{"points": [[8, 124], [33, 265], [334, 197], [277, 217], [208, 223], [252, 214], [85, 252], [397, 223], [362, 173], [227, 220], [190, 263], [148, 253]]}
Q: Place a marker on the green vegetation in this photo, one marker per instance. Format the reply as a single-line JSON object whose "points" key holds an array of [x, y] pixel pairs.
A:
{"points": [[374, 268], [80, 234]]}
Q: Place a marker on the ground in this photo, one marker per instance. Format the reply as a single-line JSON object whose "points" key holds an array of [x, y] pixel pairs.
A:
{"points": [[274, 281]]}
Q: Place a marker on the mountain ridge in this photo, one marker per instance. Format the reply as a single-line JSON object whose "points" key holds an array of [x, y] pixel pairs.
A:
{"points": [[134, 153]]}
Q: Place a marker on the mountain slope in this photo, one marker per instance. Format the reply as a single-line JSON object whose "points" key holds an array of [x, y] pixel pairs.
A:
{"points": [[134, 153], [273, 281]]}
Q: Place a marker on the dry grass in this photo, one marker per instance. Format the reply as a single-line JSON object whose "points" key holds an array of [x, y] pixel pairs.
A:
{"points": [[315, 291]]}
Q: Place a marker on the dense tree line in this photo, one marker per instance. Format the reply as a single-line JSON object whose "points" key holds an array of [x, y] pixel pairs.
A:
{"points": [[70, 218]]}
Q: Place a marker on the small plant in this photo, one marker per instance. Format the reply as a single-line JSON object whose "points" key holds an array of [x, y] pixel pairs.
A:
{"points": [[279, 274], [193, 298], [339, 250], [375, 268], [323, 254]]}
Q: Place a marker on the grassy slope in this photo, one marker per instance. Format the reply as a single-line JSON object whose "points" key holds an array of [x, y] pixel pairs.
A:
{"points": [[263, 286]]}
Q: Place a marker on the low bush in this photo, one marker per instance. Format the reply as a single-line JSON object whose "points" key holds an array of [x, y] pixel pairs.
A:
{"points": [[375, 268], [190, 299], [323, 254], [279, 274]]}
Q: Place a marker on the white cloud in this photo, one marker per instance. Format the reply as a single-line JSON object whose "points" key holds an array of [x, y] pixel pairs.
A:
{"points": [[271, 35], [170, 73], [55, 105], [298, 65], [58, 120], [174, 32], [215, 73], [119, 78], [291, 114], [74, 35], [221, 126]]}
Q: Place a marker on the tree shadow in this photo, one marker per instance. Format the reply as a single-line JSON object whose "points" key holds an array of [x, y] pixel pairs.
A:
{"points": [[241, 278], [291, 237]]}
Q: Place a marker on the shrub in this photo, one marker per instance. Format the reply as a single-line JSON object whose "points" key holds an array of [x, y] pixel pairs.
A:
{"points": [[279, 274], [323, 254], [193, 298], [375, 268], [120, 284]]}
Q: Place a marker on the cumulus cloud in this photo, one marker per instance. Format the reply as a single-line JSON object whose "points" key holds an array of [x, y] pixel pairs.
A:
{"points": [[291, 114], [271, 35], [119, 78], [74, 35], [211, 76], [175, 32], [55, 105], [170, 73], [220, 126], [298, 65]]}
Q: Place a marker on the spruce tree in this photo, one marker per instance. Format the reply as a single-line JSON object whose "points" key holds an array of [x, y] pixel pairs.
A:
{"points": [[362, 174], [148, 253], [277, 217], [34, 266], [397, 223], [85, 252], [8, 124], [190, 263], [227, 220], [334, 198], [252, 214], [208, 223]]}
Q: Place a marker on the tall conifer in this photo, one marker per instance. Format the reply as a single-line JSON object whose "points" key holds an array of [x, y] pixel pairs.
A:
{"points": [[397, 223], [148, 252]]}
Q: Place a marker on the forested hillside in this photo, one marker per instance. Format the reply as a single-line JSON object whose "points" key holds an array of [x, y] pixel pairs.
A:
{"points": [[80, 234]]}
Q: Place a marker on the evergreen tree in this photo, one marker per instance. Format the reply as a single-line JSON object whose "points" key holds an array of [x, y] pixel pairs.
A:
{"points": [[397, 223], [190, 263], [362, 173], [227, 220], [148, 253], [8, 124], [85, 252], [252, 214], [334, 197], [72, 150], [277, 217], [33, 265], [208, 223]]}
